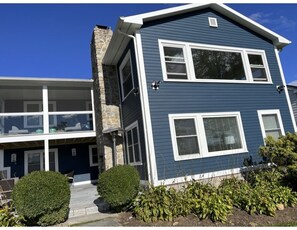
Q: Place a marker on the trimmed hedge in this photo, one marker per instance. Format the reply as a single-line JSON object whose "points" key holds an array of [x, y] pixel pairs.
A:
{"points": [[119, 185], [42, 198]]}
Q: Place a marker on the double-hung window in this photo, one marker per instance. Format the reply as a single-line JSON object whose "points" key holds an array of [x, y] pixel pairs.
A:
{"points": [[133, 144], [183, 61], [175, 62], [206, 135], [271, 123], [126, 76]]}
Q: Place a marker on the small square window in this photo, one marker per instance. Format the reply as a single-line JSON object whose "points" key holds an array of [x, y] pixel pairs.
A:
{"points": [[257, 67], [271, 123]]}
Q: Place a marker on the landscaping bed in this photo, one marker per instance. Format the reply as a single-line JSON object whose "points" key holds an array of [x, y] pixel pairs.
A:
{"points": [[286, 217]]}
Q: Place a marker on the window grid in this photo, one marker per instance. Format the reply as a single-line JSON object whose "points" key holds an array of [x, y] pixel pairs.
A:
{"points": [[133, 144]]}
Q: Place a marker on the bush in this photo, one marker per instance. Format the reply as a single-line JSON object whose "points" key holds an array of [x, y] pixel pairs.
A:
{"points": [[8, 218], [282, 153], [42, 198], [119, 185]]}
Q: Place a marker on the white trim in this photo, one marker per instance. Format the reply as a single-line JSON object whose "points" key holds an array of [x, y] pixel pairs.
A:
{"points": [[91, 147], [2, 168], [127, 129], [45, 105], [187, 48], [122, 65], [213, 22], [46, 155], [69, 112], [270, 112], [200, 132], [286, 89], [201, 176], [147, 125], [93, 109], [41, 155]]}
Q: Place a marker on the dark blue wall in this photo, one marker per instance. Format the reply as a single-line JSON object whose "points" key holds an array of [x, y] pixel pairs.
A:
{"points": [[183, 97], [79, 163], [131, 111]]}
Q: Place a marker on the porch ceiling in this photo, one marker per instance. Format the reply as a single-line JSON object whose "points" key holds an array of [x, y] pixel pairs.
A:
{"points": [[32, 144]]}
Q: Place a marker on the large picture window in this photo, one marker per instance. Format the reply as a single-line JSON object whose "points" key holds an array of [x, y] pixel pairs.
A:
{"points": [[126, 75], [182, 61], [271, 123], [206, 135], [133, 144]]}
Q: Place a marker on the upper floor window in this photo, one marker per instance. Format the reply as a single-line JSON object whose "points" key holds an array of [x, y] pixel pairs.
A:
{"points": [[182, 61], [175, 62], [271, 123], [126, 76]]}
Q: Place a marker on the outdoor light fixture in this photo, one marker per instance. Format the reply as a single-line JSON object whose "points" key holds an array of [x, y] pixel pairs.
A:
{"points": [[156, 85], [280, 88]]}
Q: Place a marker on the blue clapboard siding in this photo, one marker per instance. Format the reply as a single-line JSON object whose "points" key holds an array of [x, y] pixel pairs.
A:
{"points": [[183, 97], [131, 111]]}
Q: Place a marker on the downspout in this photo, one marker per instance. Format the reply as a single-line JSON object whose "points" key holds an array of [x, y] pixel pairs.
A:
{"points": [[142, 107]]}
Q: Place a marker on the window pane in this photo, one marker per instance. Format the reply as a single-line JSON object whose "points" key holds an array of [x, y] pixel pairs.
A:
{"points": [[255, 59], [33, 162], [94, 156], [136, 153], [179, 68], [259, 74], [222, 133], [127, 78], [187, 145], [34, 107], [135, 135], [131, 157], [129, 136], [184, 127], [219, 65], [275, 134], [270, 122], [174, 54]]}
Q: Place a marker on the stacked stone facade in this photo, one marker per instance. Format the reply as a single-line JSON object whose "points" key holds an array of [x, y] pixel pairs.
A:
{"points": [[106, 99]]}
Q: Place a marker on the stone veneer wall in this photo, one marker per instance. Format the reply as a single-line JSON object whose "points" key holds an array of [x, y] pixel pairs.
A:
{"points": [[106, 98]]}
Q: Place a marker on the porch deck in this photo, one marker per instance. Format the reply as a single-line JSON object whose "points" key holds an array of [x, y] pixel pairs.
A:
{"points": [[85, 201]]}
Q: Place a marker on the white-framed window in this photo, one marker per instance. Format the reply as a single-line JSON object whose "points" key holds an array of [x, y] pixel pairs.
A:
{"points": [[133, 144], [174, 64], [126, 76], [211, 63], [35, 121], [34, 160], [271, 123], [206, 134], [93, 155]]}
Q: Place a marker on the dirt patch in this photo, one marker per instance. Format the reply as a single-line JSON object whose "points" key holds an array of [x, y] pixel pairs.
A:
{"points": [[238, 218]]}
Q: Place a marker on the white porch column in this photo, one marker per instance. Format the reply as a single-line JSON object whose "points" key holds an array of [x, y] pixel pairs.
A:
{"points": [[45, 109], [46, 155]]}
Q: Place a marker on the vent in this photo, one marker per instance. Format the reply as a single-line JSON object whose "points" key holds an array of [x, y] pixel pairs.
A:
{"points": [[212, 22]]}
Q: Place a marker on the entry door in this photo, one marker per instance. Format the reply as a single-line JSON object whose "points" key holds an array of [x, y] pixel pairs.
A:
{"points": [[34, 160]]}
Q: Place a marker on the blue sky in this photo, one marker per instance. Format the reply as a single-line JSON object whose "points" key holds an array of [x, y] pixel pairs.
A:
{"points": [[53, 40]]}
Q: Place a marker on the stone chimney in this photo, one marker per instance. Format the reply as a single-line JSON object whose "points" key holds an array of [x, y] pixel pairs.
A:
{"points": [[106, 99]]}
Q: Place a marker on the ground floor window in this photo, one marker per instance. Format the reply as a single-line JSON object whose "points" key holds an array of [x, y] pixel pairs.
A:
{"points": [[93, 155], [34, 160], [271, 123], [205, 135], [133, 144]]}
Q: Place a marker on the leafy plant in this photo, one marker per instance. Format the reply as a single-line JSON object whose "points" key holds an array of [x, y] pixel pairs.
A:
{"points": [[8, 218], [42, 198], [119, 185]]}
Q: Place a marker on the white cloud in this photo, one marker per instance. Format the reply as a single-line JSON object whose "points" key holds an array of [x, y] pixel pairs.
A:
{"points": [[274, 21]]}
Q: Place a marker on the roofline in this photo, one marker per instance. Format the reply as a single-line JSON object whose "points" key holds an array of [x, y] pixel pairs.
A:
{"points": [[131, 24], [49, 81]]}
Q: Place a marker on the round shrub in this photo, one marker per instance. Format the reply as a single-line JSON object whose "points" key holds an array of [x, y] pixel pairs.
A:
{"points": [[119, 185], [42, 198]]}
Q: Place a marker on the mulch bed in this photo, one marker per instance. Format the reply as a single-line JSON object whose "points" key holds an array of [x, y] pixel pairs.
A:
{"points": [[288, 216]]}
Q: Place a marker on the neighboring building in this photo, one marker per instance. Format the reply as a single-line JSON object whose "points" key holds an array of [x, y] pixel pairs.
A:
{"points": [[47, 124], [293, 97], [199, 89]]}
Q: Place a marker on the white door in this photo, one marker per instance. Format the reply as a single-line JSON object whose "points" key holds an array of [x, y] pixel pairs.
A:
{"points": [[34, 160]]}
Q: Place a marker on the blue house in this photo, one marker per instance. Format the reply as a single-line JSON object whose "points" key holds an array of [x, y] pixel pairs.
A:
{"points": [[200, 87]]}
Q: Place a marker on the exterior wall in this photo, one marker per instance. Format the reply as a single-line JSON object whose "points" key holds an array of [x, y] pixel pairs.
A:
{"points": [[293, 97], [79, 163], [131, 111], [189, 97], [106, 98]]}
